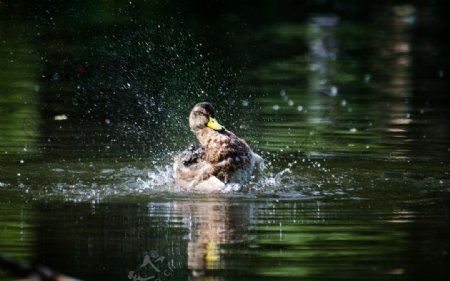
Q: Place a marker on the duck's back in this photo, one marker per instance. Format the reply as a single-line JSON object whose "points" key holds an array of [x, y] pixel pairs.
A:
{"points": [[228, 153]]}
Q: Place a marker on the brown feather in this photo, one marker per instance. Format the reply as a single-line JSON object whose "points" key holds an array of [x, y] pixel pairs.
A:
{"points": [[223, 153]]}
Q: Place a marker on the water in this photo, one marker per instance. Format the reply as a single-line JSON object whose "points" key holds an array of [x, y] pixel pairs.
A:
{"points": [[347, 103]]}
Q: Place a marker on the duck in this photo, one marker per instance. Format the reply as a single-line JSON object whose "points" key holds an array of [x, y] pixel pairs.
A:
{"points": [[221, 157]]}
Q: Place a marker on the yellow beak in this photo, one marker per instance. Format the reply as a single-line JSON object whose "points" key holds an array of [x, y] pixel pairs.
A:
{"points": [[213, 124]]}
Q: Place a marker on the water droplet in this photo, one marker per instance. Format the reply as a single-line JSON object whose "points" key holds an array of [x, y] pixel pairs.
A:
{"points": [[60, 117], [333, 91], [299, 108], [276, 107], [56, 76]]}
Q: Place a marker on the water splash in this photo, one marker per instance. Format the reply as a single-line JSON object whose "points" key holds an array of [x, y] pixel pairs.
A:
{"points": [[272, 180], [159, 179], [94, 182], [149, 76]]}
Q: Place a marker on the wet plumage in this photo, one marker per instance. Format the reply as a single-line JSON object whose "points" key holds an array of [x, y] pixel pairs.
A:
{"points": [[222, 157]]}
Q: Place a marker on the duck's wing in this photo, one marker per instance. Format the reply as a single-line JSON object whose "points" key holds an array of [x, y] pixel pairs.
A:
{"points": [[198, 178], [195, 175], [191, 155]]}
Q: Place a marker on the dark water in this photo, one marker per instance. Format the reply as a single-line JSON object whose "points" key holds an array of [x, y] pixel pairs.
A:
{"points": [[348, 103]]}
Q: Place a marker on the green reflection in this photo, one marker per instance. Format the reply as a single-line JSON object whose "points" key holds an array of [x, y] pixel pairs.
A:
{"points": [[320, 100], [17, 233], [19, 116], [316, 243]]}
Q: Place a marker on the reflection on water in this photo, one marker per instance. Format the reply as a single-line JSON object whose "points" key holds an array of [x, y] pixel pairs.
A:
{"points": [[211, 224], [370, 106], [225, 239], [19, 115], [347, 103]]}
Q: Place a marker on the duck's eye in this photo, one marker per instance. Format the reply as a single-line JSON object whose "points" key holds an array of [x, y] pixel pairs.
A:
{"points": [[203, 114]]}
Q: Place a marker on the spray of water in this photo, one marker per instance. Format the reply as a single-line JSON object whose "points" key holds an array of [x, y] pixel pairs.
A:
{"points": [[308, 179], [264, 179], [137, 87], [140, 83]]}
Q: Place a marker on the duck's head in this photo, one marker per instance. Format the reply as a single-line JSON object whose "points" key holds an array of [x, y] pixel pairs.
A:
{"points": [[202, 116]]}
